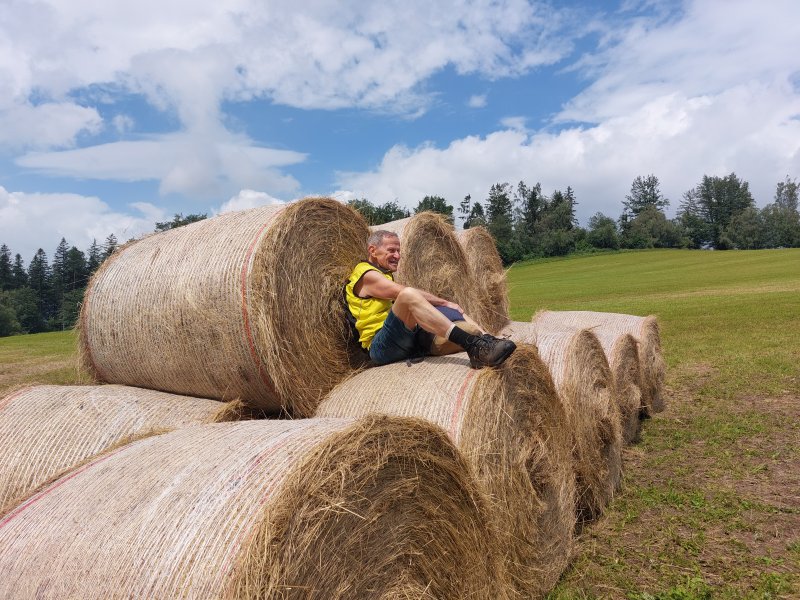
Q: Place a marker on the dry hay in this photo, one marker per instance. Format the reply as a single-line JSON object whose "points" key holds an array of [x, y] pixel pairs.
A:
{"points": [[622, 354], [48, 429], [431, 259], [646, 332], [584, 382], [323, 508], [510, 425], [245, 305], [490, 277]]}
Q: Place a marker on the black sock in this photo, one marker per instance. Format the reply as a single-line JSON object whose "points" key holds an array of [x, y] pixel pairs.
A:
{"points": [[461, 337]]}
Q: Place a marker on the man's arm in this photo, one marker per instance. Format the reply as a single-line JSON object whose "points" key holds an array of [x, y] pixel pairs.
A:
{"points": [[376, 285]]}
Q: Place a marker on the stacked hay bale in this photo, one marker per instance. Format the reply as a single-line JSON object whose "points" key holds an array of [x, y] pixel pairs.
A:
{"points": [[511, 427], [646, 332], [489, 275], [322, 508], [432, 259], [245, 305], [46, 430], [585, 385], [622, 353]]}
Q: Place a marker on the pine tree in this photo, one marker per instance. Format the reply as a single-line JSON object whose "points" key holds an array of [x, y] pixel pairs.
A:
{"points": [[58, 274], [6, 276], [464, 210], [18, 272], [109, 246], [644, 192], [95, 258], [39, 280], [75, 270]]}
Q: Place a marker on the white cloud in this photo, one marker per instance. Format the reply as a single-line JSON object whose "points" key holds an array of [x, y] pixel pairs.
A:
{"points": [[248, 199], [711, 92], [48, 125], [78, 219], [748, 129], [517, 123], [194, 163], [123, 123], [477, 101]]}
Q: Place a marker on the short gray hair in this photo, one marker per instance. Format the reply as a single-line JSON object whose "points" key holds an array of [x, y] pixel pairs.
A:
{"points": [[376, 237]]}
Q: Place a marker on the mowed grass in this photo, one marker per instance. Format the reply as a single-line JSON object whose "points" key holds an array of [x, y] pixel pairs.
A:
{"points": [[710, 506], [39, 358]]}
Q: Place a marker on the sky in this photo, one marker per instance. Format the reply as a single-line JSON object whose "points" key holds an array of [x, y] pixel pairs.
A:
{"points": [[116, 115]]}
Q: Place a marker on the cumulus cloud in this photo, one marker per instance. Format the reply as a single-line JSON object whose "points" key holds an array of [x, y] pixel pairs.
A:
{"points": [[248, 199], [711, 92], [78, 219]]}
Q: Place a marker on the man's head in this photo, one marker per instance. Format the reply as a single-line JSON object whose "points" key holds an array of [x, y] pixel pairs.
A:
{"points": [[383, 249]]}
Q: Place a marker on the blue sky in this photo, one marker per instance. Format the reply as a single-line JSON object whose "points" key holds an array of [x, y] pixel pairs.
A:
{"points": [[114, 117]]}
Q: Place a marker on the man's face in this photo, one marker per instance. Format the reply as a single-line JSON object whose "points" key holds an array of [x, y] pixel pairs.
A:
{"points": [[387, 255]]}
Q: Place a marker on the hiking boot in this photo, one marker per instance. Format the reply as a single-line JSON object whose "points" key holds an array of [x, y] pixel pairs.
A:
{"points": [[489, 351]]}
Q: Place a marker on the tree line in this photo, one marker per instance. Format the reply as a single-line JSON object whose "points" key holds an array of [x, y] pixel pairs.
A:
{"points": [[718, 213], [47, 295]]}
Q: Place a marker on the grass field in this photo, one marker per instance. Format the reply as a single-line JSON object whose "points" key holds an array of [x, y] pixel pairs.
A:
{"points": [[711, 502]]}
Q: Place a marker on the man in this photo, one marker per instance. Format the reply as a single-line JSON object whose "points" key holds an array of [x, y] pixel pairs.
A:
{"points": [[388, 316]]}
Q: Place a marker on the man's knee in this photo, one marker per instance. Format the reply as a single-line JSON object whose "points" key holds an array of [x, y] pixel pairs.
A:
{"points": [[409, 296]]}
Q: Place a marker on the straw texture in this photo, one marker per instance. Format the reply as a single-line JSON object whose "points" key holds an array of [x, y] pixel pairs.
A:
{"points": [[245, 305], [432, 260], [46, 430], [510, 425], [319, 508], [487, 269], [622, 353], [646, 332], [584, 382]]}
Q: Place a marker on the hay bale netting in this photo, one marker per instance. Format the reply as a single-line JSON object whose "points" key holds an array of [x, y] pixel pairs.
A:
{"points": [[585, 384], [510, 425], [323, 508], [490, 277], [46, 430], [432, 259], [622, 354], [646, 332], [245, 305]]}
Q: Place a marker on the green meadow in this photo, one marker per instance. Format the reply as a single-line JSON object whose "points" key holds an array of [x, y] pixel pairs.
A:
{"points": [[710, 506]]}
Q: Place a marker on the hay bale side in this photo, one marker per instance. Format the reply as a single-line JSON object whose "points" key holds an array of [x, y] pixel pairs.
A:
{"points": [[646, 332], [432, 259], [320, 508], [510, 425], [585, 384], [622, 353], [46, 430], [244, 305], [489, 275]]}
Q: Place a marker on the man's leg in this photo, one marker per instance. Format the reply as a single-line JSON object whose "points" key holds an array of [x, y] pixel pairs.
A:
{"points": [[413, 309]]}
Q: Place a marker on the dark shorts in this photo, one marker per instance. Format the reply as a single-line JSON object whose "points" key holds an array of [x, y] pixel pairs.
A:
{"points": [[395, 342]]}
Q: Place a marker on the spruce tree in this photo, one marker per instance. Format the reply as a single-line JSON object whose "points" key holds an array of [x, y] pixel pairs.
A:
{"points": [[6, 276], [18, 272]]}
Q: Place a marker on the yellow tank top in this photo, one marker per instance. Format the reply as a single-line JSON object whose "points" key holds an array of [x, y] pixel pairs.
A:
{"points": [[369, 313]]}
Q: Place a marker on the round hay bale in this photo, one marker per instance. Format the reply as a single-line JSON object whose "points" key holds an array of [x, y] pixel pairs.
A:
{"points": [[431, 259], [584, 382], [623, 358], [490, 277], [510, 426], [245, 305], [646, 332], [46, 430], [322, 508]]}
